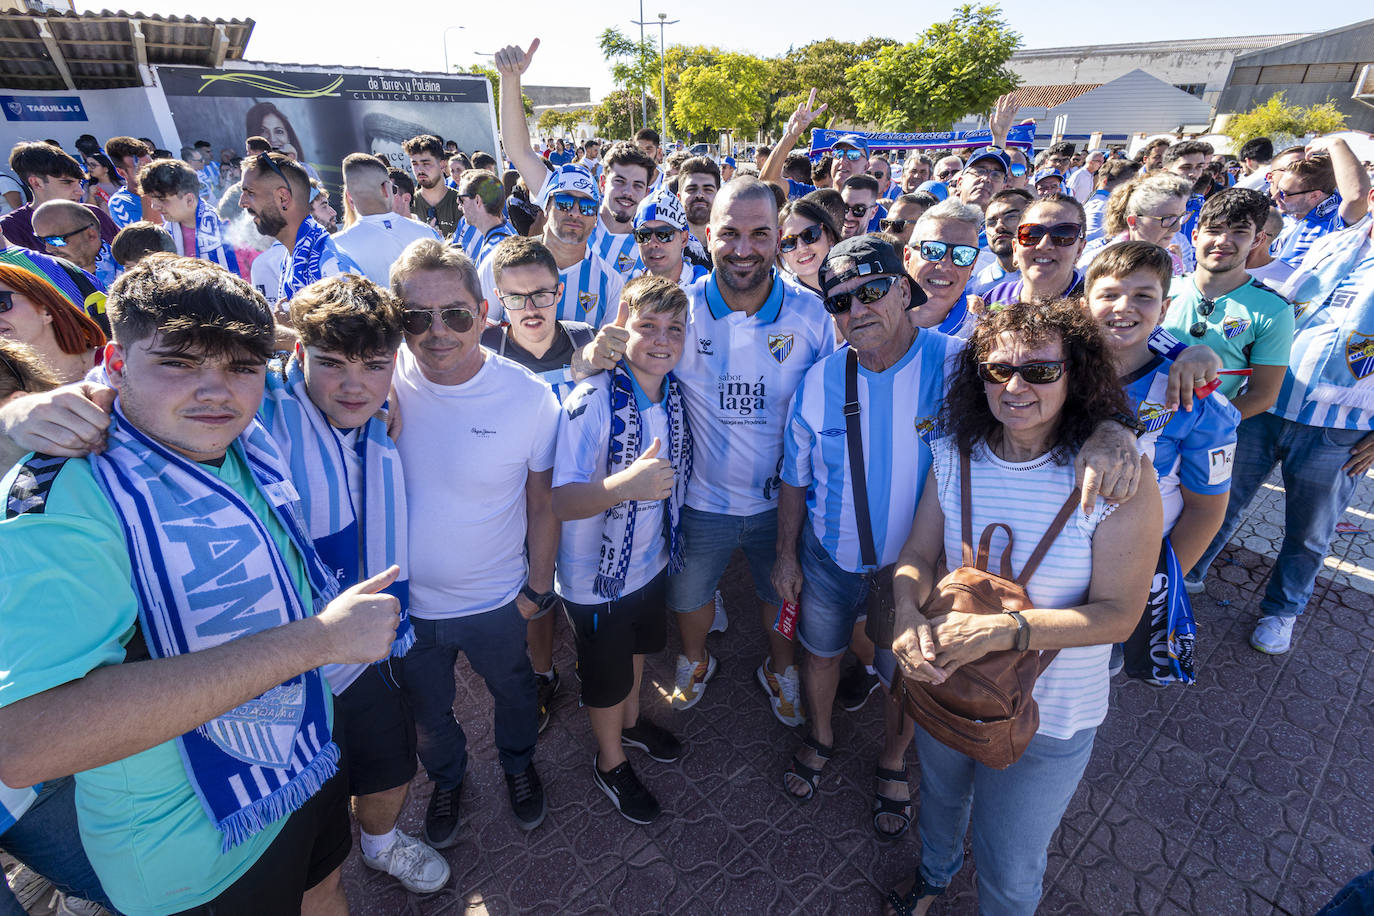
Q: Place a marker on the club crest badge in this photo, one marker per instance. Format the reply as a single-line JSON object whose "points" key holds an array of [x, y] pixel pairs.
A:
{"points": [[587, 301], [1154, 416], [1359, 354], [780, 345], [1232, 327], [925, 429]]}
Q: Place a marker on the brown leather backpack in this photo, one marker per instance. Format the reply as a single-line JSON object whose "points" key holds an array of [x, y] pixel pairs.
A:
{"points": [[985, 708]]}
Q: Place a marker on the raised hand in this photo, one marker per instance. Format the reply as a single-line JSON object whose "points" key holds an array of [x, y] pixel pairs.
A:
{"points": [[801, 118], [512, 61]]}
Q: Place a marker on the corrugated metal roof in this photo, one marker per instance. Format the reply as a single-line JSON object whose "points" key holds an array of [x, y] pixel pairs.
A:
{"points": [[1236, 43], [1050, 96], [103, 50]]}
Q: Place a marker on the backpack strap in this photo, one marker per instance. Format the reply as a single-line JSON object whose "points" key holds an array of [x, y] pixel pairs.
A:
{"points": [[1048, 540], [858, 476], [985, 546]]}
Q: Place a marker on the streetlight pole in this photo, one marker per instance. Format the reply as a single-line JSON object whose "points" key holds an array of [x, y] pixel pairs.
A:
{"points": [[663, 76], [639, 54], [445, 41]]}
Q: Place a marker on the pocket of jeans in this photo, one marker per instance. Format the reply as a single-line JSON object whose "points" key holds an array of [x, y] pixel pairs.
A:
{"points": [[1342, 438]]}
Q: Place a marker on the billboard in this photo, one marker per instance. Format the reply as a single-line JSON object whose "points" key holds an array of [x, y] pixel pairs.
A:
{"points": [[326, 114]]}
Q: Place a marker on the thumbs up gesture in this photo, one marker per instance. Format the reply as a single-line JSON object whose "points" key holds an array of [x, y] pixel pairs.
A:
{"points": [[605, 351], [360, 624], [648, 477]]}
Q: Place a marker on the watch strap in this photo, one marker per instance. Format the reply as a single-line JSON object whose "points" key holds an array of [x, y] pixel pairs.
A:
{"points": [[1022, 631]]}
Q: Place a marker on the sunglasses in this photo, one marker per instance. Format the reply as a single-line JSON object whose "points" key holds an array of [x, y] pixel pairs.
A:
{"points": [[868, 294], [1205, 308], [1165, 222], [418, 321], [853, 155], [961, 255], [60, 241], [1037, 373], [1018, 170], [1284, 195], [662, 236], [518, 302], [1062, 235], [946, 174], [810, 235], [892, 225], [857, 210], [6, 301], [264, 161], [585, 205]]}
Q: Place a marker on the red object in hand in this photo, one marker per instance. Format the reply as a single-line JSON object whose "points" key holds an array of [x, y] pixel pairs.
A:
{"points": [[786, 624]]}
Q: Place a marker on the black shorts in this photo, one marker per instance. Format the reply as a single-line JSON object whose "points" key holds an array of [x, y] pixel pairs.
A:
{"points": [[314, 842], [611, 634], [374, 725]]}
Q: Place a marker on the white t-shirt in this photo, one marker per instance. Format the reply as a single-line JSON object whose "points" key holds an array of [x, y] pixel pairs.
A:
{"points": [[584, 433], [1080, 183], [9, 183], [266, 271], [376, 241], [467, 451], [1274, 274]]}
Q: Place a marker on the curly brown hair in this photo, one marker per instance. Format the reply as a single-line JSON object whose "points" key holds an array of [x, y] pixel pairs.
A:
{"points": [[1094, 391]]}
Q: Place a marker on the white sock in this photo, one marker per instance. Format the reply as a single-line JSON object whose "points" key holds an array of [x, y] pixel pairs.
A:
{"points": [[870, 669], [374, 846], [546, 675]]}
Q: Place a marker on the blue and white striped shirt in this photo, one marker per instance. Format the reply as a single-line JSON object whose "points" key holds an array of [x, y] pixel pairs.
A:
{"points": [[898, 410], [477, 244], [738, 374], [615, 248], [1298, 235]]}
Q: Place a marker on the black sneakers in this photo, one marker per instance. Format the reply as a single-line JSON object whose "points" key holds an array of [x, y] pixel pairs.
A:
{"points": [[652, 739], [855, 687], [626, 792], [527, 798], [546, 687], [441, 818]]}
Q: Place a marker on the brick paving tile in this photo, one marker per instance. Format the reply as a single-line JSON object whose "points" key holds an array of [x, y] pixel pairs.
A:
{"points": [[1250, 792]]}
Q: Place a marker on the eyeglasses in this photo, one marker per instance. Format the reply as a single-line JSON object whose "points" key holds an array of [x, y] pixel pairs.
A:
{"points": [[565, 202], [1205, 308], [961, 255], [662, 236], [946, 174], [6, 301], [1284, 195], [1038, 373], [516, 302], [857, 210], [892, 225], [868, 294], [810, 236], [853, 155], [1063, 235], [1165, 222], [60, 241], [418, 321], [989, 174], [264, 160]]}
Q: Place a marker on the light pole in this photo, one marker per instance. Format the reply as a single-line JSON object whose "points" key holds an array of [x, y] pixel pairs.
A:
{"points": [[445, 41], [639, 53], [663, 21]]}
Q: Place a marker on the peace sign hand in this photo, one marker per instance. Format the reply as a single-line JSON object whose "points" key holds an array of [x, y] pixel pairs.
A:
{"points": [[801, 118]]}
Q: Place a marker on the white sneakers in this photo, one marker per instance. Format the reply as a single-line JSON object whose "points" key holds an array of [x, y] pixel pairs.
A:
{"points": [[419, 868], [689, 686], [784, 693], [1273, 635]]}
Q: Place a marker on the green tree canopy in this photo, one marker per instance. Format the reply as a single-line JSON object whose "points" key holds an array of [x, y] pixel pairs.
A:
{"points": [[634, 65], [618, 116], [956, 68], [726, 95], [1283, 123]]}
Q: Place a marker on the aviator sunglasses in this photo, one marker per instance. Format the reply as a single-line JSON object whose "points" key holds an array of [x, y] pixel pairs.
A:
{"points": [[418, 321], [1043, 372], [868, 294]]}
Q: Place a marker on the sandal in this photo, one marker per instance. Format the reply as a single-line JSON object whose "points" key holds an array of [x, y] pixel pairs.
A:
{"points": [[892, 807], [808, 775], [905, 904]]}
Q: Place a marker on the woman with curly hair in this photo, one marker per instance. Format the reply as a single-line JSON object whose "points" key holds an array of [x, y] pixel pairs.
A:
{"points": [[1028, 390], [35, 312]]}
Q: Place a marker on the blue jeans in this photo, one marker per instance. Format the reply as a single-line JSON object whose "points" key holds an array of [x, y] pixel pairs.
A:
{"points": [[494, 643], [832, 600], [46, 839], [1316, 492], [1015, 814], [709, 541]]}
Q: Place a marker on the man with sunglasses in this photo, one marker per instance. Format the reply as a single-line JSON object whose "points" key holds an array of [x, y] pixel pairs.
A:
{"points": [[1322, 193], [482, 198], [276, 194], [477, 444], [903, 213], [69, 230], [940, 259], [662, 234], [49, 174], [947, 169], [849, 154], [1221, 305], [881, 170], [1001, 218], [862, 211], [626, 177]]}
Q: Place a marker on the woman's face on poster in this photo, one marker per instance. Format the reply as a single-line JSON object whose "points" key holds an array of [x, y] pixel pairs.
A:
{"points": [[275, 132]]}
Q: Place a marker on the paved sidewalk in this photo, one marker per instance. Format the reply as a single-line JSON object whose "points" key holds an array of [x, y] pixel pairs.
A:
{"points": [[1250, 792]]}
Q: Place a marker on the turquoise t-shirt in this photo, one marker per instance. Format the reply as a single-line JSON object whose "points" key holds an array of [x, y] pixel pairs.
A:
{"points": [[1250, 326], [68, 608]]}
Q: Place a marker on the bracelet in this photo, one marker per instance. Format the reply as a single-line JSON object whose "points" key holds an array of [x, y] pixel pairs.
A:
{"points": [[542, 601], [1022, 631]]}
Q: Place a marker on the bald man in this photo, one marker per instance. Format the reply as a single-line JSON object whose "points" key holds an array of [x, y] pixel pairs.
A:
{"points": [[70, 230]]}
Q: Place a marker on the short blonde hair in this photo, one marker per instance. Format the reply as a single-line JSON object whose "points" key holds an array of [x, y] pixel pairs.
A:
{"points": [[653, 295], [431, 254]]}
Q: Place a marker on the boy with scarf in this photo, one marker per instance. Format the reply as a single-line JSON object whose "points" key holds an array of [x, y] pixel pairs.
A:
{"points": [[207, 775], [620, 476], [171, 189]]}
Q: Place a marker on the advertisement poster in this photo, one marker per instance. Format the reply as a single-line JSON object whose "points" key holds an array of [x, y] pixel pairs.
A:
{"points": [[326, 115]]}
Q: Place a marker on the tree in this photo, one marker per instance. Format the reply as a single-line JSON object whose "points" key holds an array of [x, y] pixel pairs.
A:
{"points": [[728, 95], [495, 79], [634, 65], [552, 121], [822, 64], [618, 113], [955, 68], [1283, 123]]}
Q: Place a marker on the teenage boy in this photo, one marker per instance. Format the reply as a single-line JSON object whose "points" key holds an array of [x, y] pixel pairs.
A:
{"points": [[661, 230], [171, 189], [1194, 451], [624, 457]]}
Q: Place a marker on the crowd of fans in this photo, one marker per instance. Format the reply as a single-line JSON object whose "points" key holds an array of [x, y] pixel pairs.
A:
{"points": [[275, 460]]}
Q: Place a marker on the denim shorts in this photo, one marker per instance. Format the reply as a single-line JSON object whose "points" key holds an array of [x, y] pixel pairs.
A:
{"points": [[710, 541], [832, 601]]}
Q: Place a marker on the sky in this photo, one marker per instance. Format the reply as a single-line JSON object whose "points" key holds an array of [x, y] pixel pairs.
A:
{"points": [[364, 33]]}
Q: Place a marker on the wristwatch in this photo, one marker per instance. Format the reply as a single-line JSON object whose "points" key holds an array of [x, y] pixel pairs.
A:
{"points": [[1022, 631], [543, 601]]}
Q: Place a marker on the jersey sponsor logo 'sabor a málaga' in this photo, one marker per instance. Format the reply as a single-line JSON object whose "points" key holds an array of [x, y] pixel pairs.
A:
{"points": [[741, 397]]}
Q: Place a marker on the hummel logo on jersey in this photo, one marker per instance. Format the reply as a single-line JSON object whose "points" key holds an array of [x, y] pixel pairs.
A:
{"points": [[780, 345], [704, 347]]}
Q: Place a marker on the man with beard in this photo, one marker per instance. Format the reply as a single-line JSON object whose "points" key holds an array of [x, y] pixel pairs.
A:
{"points": [[902, 215], [321, 210], [861, 209], [435, 202], [751, 336], [881, 170], [1003, 215], [697, 185], [276, 194], [1328, 190], [650, 144], [940, 258], [661, 231], [625, 180]]}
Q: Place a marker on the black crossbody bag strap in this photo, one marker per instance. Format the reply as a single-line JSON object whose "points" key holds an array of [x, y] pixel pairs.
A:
{"points": [[858, 476]]}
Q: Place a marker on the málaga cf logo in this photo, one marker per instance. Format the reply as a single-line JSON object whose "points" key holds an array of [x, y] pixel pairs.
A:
{"points": [[780, 345], [1154, 416], [586, 301], [1359, 354]]}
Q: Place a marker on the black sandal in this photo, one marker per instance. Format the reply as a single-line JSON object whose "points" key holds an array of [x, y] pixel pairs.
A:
{"points": [[809, 775], [893, 807], [905, 904]]}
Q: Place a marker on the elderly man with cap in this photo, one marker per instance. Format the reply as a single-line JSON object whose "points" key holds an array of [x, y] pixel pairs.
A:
{"points": [[70, 230], [841, 524], [571, 202], [660, 229], [983, 176]]}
